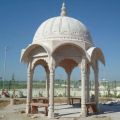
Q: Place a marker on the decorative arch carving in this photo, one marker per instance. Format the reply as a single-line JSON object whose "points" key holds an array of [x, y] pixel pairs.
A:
{"points": [[32, 50], [41, 61], [81, 50], [68, 51]]}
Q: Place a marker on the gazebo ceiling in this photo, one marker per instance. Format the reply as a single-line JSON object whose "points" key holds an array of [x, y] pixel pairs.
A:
{"points": [[68, 64]]}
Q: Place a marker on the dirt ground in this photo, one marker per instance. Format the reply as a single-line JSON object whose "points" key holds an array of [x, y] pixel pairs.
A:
{"points": [[17, 112]]}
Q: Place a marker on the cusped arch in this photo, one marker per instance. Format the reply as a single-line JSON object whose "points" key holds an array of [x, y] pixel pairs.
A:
{"points": [[26, 53], [41, 62]]}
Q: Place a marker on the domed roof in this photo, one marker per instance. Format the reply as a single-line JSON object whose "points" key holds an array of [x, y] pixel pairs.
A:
{"points": [[62, 27]]}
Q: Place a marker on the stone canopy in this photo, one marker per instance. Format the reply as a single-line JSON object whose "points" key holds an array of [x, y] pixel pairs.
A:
{"points": [[66, 42]]}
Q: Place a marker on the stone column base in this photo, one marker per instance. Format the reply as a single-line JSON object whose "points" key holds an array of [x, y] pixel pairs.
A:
{"points": [[28, 108], [50, 112], [83, 110]]}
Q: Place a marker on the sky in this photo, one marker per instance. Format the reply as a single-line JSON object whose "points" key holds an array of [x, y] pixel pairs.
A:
{"points": [[19, 20]]}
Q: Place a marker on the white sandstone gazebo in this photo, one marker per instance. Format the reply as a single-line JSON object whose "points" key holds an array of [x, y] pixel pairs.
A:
{"points": [[66, 42]]}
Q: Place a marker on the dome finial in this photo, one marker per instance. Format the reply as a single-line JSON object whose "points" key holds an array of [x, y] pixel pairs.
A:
{"points": [[63, 10]]}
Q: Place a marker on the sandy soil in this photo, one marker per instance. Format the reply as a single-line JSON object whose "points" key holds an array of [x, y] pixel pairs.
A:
{"points": [[17, 112], [17, 115]]}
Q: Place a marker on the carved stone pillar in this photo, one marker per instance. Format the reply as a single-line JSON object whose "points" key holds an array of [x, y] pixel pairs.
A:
{"points": [[51, 90], [68, 87], [96, 71], [47, 84], [87, 85], [29, 88], [83, 81]]}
